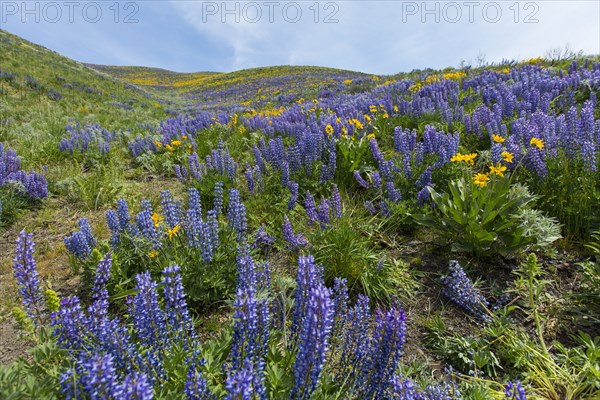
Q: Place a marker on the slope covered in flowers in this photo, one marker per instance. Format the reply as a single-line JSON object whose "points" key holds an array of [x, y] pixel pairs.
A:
{"points": [[301, 232]]}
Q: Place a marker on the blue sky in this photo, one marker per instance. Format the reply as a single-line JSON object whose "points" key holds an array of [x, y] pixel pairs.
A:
{"points": [[382, 37]]}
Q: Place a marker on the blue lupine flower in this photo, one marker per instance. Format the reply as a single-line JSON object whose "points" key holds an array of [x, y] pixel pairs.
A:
{"points": [[323, 213], [313, 342], [311, 211], [239, 384], [376, 177], [459, 288], [515, 391], [179, 321], [115, 227], [370, 207], [285, 175], [336, 202], [98, 378], [27, 277], [147, 228], [384, 209], [293, 186], [359, 179], [147, 317], [77, 245], [137, 386], [262, 238], [393, 194], [84, 226], [250, 179], [195, 385], [218, 197], [123, 215], [171, 209]]}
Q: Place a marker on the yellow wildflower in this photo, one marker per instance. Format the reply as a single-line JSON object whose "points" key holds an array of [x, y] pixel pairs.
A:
{"points": [[395, 108], [498, 170], [173, 232], [157, 219], [481, 180], [157, 143], [367, 118], [329, 129], [184, 137], [168, 147], [498, 139], [373, 109], [153, 253], [176, 143], [539, 143], [370, 136], [507, 157]]}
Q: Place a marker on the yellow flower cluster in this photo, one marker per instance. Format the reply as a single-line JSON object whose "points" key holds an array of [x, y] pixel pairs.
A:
{"points": [[497, 169], [481, 180], [455, 75], [329, 129], [347, 81], [534, 61], [467, 158], [507, 157], [356, 123], [539, 143], [504, 70], [498, 139]]}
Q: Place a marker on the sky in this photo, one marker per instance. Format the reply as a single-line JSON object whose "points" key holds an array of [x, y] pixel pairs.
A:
{"points": [[379, 37]]}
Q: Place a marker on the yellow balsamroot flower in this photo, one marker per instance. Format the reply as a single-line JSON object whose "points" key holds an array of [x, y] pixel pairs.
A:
{"points": [[385, 115], [329, 129], [157, 143], [507, 157], [498, 139], [347, 81], [373, 109], [176, 143], [504, 70], [169, 147], [481, 180], [344, 131], [467, 158], [157, 219], [367, 118], [395, 108], [539, 143], [370, 136], [153, 253], [173, 232], [498, 170]]}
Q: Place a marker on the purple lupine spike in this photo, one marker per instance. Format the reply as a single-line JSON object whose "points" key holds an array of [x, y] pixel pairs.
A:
{"points": [[115, 228], [336, 202], [515, 391], [85, 228], [285, 174], [359, 179], [137, 386], [101, 278], [239, 384], [311, 211], [178, 318], [313, 342], [309, 275], [99, 379], [171, 209], [123, 215], [384, 209], [370, 207], [293, 187], [218, 198], [262, 238], [394, 194], [77, 245], [260, 183], [70, 325], [27, 277], [459, 288], [323, 213], [145, 225], [195, 385], [423, 196], [376, 180], [250, 179], [385, 350], [147, 317]]}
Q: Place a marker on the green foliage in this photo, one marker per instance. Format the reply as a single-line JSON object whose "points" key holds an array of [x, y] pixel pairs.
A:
{"points": [[36, 377], [486, 220]]}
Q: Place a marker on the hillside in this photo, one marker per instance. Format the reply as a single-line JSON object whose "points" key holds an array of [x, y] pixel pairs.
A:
{"points": [[298, 232]]}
